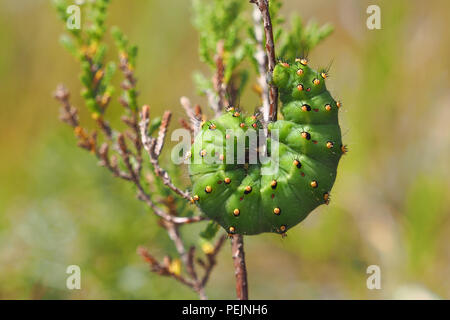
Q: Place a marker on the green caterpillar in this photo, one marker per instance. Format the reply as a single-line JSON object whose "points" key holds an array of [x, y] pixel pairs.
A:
{"points": [[238, 196]]}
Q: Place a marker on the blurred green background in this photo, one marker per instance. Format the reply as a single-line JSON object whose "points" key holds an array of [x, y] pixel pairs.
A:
{"points": [[389, 205]]}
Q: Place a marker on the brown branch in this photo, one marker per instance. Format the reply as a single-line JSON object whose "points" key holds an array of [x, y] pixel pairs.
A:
{"points": [[240, 270], [263, 6]]}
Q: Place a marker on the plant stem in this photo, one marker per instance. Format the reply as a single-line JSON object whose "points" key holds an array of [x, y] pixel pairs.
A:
{"points": [[261, 58], [263, 6], [240, 270]]}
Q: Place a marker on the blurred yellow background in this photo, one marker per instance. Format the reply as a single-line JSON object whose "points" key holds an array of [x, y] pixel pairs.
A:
{"points": [[389, 205]]}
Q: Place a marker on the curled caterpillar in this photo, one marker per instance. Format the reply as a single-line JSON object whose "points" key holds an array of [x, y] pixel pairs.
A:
{"points": [[238, 195]]}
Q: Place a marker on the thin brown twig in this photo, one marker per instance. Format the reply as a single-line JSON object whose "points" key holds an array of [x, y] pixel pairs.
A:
{"points": [[240, 269], [263, 6]]}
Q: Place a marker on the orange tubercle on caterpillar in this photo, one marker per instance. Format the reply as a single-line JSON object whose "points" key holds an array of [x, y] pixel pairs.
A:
{"points": [[306, 135], [305, 108]]}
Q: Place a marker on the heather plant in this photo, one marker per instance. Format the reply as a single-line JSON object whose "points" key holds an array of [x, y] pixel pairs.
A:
{"points": [[242, 44]]}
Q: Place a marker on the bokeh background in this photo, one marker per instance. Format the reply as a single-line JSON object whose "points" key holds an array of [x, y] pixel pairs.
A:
{"points": [[389, 205]]}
